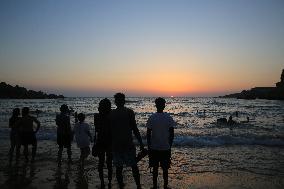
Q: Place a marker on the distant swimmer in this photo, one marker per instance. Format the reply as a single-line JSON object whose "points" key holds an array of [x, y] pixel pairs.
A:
{"points": [[221, 121], [247, 121], [231, 122], [201, 114]]}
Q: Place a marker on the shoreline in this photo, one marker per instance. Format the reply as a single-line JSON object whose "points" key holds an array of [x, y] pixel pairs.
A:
{"points": [[191, 168]]}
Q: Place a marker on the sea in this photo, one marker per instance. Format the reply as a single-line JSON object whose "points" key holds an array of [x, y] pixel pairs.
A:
{"points": [[256, 146]]}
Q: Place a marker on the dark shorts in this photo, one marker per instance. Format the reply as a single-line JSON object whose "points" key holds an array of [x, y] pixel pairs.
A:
{"points": [[64, 140], [127, 158], [85, 152], [28, 138], [160, 158]]}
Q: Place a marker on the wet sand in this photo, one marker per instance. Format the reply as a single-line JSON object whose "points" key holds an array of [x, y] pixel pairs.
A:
{"points": [[44, 173]]}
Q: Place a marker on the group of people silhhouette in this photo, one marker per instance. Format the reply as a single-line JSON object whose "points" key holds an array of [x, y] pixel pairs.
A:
{"points": [[113, 139], [22, 133]]}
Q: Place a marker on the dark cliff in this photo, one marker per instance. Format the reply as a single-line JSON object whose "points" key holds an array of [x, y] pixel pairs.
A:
{"points": [[9, 92]]}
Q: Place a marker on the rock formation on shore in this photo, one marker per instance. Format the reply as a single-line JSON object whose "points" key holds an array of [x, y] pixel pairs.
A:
{"points": [[270, 93], [9, 92]]}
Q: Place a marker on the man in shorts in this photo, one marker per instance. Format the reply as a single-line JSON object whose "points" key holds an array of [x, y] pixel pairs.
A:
{"points": [[160, 135], [122, 124]]}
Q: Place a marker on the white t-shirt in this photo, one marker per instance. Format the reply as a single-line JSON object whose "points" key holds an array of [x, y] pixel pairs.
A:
{"points": [[81, 131], [160, 123]]}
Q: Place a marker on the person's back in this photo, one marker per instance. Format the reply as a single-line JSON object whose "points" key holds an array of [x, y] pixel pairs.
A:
{"points": [[81, 131], [63, 124], [160, 124], [160, 135], [121, 129], [102, 128], [26, 124]]}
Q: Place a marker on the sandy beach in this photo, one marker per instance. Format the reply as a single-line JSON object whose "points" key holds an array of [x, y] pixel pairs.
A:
{"points": [[185, 172]]}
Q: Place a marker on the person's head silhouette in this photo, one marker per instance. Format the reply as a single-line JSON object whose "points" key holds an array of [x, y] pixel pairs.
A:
{"points": [[25, 111], [81, 117], [160, 104], [104, 106], [64, 108], [119, 99], [16, 112]]}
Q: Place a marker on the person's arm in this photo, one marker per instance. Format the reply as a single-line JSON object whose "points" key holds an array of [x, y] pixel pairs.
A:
{"points": [[171, 136], [96, 126], [10, 123], [89, 134], [171, 131], [38, 124], [149, 134], [135, 130]]}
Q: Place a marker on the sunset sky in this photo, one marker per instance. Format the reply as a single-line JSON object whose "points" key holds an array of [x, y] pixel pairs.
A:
{"points": [[141, 48]]}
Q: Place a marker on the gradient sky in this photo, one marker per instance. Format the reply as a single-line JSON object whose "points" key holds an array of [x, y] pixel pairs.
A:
{"points": [[142, 48]]}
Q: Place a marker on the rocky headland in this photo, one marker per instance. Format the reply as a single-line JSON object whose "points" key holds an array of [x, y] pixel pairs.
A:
{"points": [[16, 92], [269, 93]]}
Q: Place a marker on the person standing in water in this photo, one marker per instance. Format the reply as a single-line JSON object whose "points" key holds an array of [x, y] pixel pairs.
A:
{"points": [[14, 138], [83, 138], [102, 140], [64, 133], [27, 134], [160, 135], [122, 124]]}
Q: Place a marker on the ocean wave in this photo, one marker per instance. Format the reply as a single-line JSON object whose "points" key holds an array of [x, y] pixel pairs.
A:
{"points": [[201, 141], [187, 141]]}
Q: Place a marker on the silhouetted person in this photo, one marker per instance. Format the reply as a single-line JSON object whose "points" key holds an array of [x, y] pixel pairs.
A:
{"points": [[237, 114], [64, 133], [102, 139], [122, 124], [27, 134], [83, 137], [160, 135], [231, 122], [14, 135]]}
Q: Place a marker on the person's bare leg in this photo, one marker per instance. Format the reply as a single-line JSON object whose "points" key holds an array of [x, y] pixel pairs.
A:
{"points": [[59, 155], [136, 175], [69, 153], [101, 168], [18, 148], [155, 176], [165, 177], [11, 151], [26, 152], [109, 168], [119, 176], [34, 152]]}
